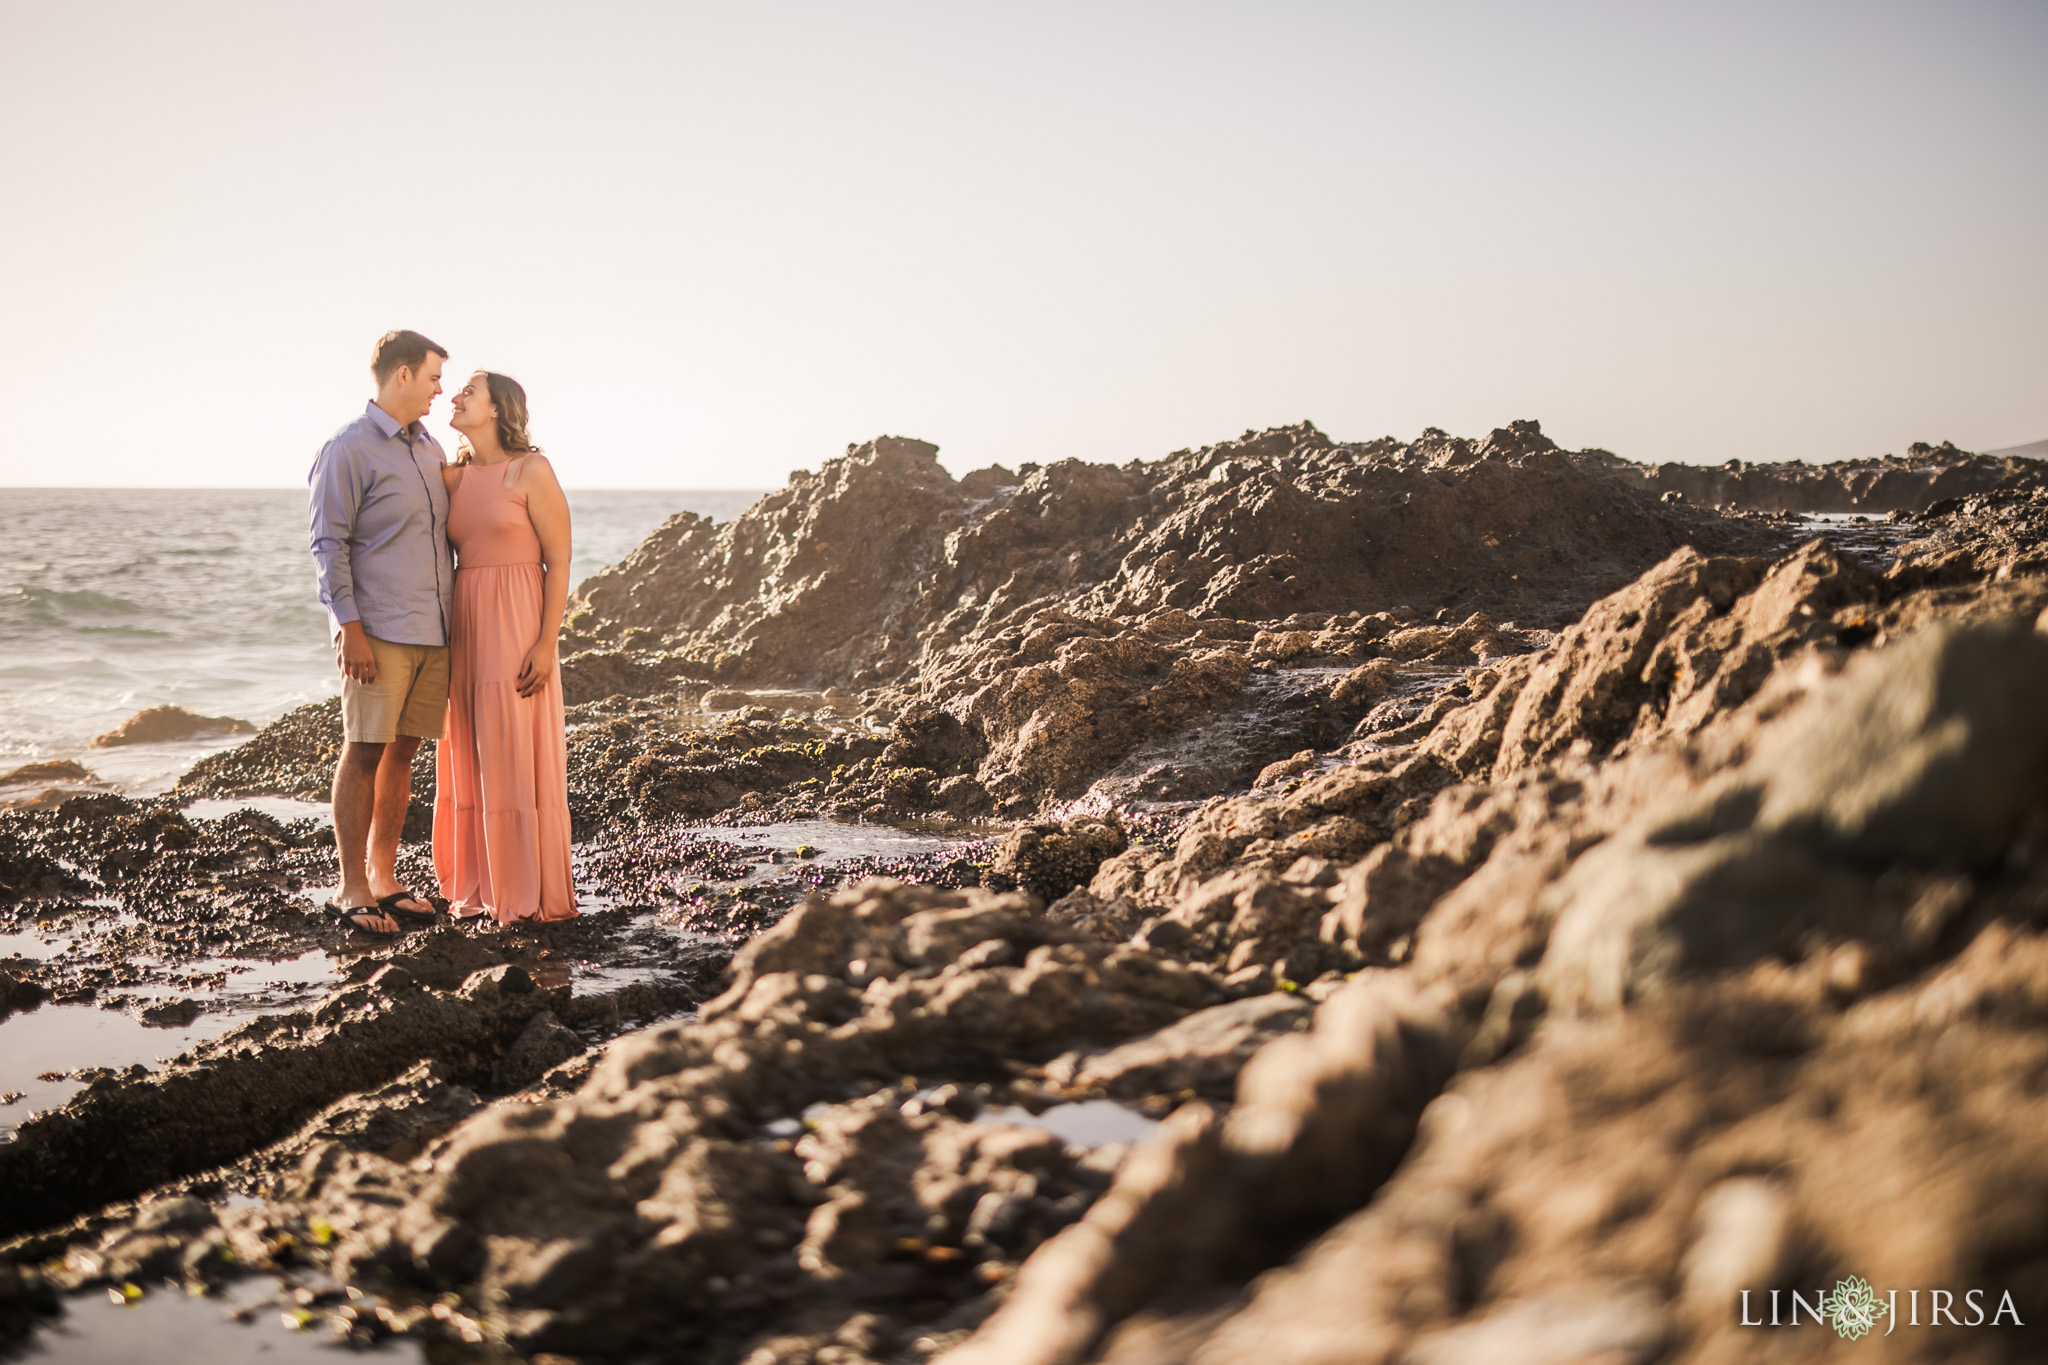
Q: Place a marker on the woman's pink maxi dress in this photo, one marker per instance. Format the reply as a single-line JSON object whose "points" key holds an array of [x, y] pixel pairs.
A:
{"points": [[501, 801]]}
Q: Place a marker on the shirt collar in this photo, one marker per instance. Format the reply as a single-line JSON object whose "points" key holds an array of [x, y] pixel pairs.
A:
{"points": [[384, 421]]}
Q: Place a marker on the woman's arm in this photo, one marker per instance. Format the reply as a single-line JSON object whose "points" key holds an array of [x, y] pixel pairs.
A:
{"points": [[548, 506]]}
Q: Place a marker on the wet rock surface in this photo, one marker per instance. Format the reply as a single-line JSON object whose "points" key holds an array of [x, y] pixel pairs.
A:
{"points": [[1536, 909], [162, 723], [40, 786], [294, 756]]}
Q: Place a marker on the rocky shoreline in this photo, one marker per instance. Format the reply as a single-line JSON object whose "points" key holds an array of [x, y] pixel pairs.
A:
{"points": [[1518, 900]]}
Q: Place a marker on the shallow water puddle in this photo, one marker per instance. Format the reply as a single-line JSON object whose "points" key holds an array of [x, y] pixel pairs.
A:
{"points": [[248, 975], [656, 952], [1078, 1123], [283, 809], [169, 1326], [247, 986], [834, 840], [811, 850], [596, 977], [1873, 536], [62, 1038], [1081, 1123], [32, 945], [684, 867]]}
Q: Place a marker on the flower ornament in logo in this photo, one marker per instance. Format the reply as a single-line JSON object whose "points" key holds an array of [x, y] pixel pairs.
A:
{"points": [[1853, 1308]]}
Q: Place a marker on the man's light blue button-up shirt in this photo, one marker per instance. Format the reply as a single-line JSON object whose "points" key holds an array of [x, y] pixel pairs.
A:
{"points": [[379, 515]]}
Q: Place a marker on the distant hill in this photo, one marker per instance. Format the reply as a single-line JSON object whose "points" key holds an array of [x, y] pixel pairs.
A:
{"points": [[2033, 450]]}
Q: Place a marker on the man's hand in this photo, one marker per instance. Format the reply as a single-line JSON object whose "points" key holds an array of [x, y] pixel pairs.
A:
{"points": [[356, 659], [539, 667]]}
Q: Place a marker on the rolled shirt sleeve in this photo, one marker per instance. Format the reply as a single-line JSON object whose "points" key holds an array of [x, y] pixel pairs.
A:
{"points": [[333, 499]]}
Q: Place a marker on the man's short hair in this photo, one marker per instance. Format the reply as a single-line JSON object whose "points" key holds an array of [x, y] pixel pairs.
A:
{"points": [[401, 350]]}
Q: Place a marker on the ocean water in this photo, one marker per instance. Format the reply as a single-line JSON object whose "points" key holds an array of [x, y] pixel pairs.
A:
{"points": [[114, 600]]}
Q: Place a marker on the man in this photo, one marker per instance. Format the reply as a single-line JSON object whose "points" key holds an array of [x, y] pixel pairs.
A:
{"points": [[379, 515]]}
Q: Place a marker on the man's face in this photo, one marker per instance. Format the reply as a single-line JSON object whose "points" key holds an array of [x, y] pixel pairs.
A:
{"points": [[417, 389]]}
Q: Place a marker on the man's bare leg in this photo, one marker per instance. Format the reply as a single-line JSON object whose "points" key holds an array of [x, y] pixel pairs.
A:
{"points": [[387, 818], [355, 785]]}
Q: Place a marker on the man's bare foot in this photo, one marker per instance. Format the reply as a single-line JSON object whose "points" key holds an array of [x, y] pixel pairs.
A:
{"points": [[410, 901], [358, 906], [368, 918]]}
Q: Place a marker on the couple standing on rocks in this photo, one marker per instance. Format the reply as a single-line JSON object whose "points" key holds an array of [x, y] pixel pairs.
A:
{"points": [[445, 583]]}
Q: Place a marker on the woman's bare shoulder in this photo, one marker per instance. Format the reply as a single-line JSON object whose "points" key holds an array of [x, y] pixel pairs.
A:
{"points": [[535, 471]]}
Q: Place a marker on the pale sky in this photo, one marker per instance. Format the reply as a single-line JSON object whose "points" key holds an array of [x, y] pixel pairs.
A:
{"points": [[718, 242]]}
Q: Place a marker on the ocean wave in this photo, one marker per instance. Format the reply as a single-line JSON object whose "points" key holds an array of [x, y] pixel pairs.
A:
{"points": [[127, 632], [61, 669], [74, 600]]}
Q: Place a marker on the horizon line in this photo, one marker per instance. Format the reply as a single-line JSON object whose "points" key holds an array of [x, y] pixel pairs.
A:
{"points": [[2023, 450], [300, 488]]}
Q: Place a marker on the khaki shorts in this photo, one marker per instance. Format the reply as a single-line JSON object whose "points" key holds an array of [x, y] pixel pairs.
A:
{"points": [[410, 696]]}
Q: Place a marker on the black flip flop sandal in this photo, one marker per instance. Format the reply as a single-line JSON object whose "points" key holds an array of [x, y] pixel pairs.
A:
{"points": [[418, 918], [344, 916]]}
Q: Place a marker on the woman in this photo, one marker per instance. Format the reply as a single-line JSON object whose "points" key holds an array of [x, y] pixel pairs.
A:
{"points": [[501, 802]]}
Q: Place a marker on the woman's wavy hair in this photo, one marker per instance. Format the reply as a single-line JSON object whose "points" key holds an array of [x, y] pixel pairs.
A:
{"points": [[510, 400]]}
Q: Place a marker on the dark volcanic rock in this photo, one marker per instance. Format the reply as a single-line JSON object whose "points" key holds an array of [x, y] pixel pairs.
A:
{"points": [[1582, 907], [26, 1300], [122, 1136], [1927, 475], [126, 1133], [1051, 860], [192, 887], [1033, 635], [840, 546], [881, 566], [1996, 535], [27, 873], [17, 994], [168, 1013], [596, 674], [293, 756], [543, 1044]]}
